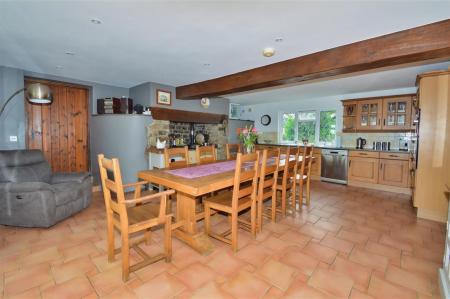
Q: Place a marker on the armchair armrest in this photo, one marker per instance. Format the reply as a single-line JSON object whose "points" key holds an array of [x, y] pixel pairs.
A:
{"points": [[63, 177], [162, 205], [24, 187]]}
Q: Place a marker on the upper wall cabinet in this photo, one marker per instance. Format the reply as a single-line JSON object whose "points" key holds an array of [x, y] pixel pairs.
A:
{"points": [[391, 113], [397, 113], [369, 114]]}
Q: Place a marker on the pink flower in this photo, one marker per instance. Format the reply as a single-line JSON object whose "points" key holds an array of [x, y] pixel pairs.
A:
{"points": [[245, 131], [254, 130]]}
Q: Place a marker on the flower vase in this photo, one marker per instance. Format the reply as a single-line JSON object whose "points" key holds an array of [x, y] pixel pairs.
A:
{"points": [[249, 149]]}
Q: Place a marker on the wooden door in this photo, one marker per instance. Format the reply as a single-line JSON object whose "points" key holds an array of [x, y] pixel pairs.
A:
{"points": [[369, 114], [60, 130], [363, 169], [393, 173], [397, 113]]}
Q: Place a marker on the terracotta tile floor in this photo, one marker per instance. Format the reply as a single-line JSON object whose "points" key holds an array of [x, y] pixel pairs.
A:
{"points": [[351, 243]]}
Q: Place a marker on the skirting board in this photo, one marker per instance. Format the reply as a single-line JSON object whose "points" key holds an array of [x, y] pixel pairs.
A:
{"points": [[443, 284], [381, 187], [431, 215]]}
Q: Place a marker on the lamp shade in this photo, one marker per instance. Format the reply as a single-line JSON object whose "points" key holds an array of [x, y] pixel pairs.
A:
{"points": [[39, 94]]}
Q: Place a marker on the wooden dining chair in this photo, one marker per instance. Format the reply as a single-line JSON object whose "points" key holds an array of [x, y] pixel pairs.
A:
{"points": [[205, 154], [267, 185], [304, 175], [242, 197], [286, 183], [232, 150], [130, 216], [176, 157]]}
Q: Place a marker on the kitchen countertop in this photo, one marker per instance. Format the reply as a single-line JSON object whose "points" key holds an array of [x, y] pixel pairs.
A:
{"points": [[340, 148]]}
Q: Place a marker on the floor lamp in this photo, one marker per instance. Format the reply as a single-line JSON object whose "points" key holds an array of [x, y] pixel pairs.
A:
{"points": [[35, 93]]}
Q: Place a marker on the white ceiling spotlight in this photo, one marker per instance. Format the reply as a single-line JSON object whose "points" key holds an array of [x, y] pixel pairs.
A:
{"points": [[207, 64], [70, 53], [268, 52], [96, 21], [59, 67], [278, 39], [205, 103]]}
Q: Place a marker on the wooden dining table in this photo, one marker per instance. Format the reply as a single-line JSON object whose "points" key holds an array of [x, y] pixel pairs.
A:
{"points": [[188, 189]]}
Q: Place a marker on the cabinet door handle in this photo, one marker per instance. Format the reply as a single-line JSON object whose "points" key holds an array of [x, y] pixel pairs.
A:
{"points": [[379, 120], [381, 165], [384, 122], [349, 163], [362, 154], [393, 156]]}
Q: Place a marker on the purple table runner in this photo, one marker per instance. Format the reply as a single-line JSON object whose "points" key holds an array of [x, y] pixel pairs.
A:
{"points": [[203, 170]]}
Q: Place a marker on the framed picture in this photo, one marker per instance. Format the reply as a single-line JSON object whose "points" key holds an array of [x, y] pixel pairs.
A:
{"points": [[235, 111], [163, 97]]}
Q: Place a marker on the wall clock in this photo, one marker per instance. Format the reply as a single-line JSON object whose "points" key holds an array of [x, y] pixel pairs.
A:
{"points": [[265, 120]]}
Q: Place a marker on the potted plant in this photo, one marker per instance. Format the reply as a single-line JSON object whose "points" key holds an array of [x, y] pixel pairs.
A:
{"points": [[248, 136]]}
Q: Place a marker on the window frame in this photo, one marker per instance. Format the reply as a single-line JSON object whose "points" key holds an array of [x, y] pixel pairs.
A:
{"points": [[317, 128]]}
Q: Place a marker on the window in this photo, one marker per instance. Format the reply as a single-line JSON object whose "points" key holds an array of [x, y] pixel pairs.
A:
{"points": [[288, 127], [327, 127], [318, 127], [306, 126]]}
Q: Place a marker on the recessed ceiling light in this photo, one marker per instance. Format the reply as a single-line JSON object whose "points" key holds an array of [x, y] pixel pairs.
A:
{"points": [[207, 64], [278, 39], [70, 53], [96, 21], [268, 52], [59, 67]]}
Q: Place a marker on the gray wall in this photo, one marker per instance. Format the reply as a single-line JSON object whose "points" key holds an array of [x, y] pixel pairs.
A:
{"points": [[127, 142], [145, 94], [12, 121], [141, 94]]}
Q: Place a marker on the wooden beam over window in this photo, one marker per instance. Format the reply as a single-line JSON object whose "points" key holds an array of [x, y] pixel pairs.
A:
{"points": [[413, 45]]}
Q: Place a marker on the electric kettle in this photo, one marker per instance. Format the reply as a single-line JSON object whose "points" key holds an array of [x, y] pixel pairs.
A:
{"points": [[360, 143]]}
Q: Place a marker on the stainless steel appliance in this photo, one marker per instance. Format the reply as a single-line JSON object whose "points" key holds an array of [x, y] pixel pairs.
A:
{"points": [[334, 166]]}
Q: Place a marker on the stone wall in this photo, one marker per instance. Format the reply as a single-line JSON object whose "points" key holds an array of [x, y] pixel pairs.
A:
{"points": [[162, 129]]}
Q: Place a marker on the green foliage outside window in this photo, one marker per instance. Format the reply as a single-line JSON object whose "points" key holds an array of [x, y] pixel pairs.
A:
{"points": [[327, 126], [289, 127], [306, 123]]}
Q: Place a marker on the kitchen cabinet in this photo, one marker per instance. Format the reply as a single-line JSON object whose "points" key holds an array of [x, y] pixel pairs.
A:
{"points": [[368, 115], [393, 173], [316, 166], [349, 116], [363, 169], [432, 174], [397, 113], [390, 113]]}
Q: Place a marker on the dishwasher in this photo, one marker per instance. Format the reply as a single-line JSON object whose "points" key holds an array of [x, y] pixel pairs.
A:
{"points": [[334, 166]]}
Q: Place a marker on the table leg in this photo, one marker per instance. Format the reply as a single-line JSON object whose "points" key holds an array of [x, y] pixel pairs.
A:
{"points": [[188, 231]]}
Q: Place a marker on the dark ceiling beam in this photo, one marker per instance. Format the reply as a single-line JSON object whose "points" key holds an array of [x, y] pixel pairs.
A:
{"points": [[408, 46]]}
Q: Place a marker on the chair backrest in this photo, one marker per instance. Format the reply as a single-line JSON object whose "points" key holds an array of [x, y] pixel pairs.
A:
{"points": [[290, 164], [268, 173], [112, 185], [111, 179], [205, 154], [246, 171], [180, 155], [232, 150], [19, 166], [307, 157]]}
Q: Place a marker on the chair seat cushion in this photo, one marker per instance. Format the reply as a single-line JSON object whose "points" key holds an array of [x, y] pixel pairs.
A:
{"points": [[225, 199], [66, 192], [300, 176], [143, 212]]}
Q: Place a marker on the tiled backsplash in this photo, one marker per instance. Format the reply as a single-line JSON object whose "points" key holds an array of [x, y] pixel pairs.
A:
{"points": [[349, 139]]}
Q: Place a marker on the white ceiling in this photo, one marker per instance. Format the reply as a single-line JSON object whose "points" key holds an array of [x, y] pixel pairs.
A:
{"points": [[379, 80], [170, 41]]}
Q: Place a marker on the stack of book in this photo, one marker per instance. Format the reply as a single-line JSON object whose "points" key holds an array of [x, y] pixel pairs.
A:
{"points": [[112, 105]]}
